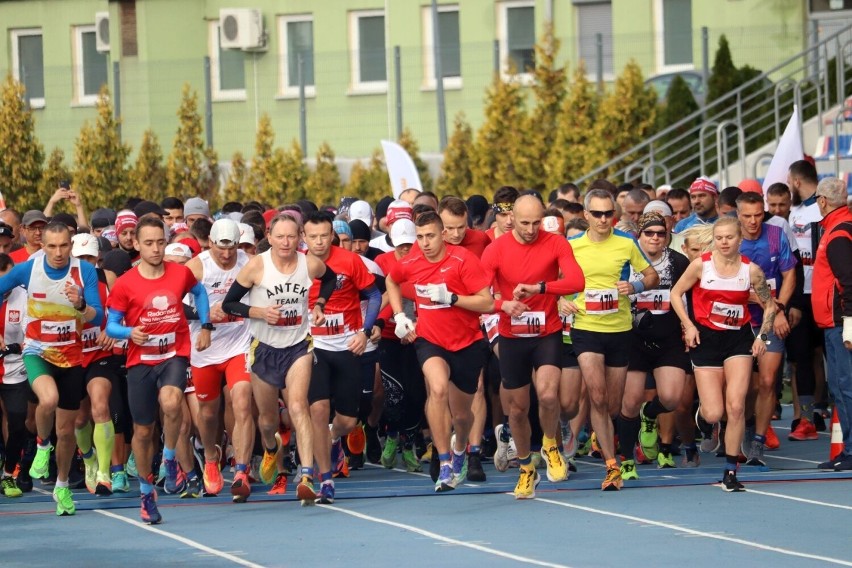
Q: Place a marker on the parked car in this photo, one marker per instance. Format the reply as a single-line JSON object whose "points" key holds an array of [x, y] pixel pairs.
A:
{"points": [[694, 80]]}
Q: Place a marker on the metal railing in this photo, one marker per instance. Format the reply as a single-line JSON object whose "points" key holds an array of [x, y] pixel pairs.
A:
{"points": [[742, 121]]}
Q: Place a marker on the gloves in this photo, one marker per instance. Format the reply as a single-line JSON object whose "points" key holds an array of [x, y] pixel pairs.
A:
{"points": [[404, 326], [847, 329], [439, 294]]}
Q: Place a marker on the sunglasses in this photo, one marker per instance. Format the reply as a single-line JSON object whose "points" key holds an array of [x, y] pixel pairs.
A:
{"points": [[649, 234], [598, 214]]}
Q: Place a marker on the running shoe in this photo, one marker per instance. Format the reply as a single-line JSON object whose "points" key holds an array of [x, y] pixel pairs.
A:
{"points": [[409, 458], [356, 442], [528, 480], [612, 481], [213, 482], [130, 467], [569, 442], [9, 487], [389, 453], [193, 488], [280, 485], [628, 470], [374, 444], [305, 491], [426, 456], [175, 477], [772, 441], [665, 461], [730, 483], [339, 467], [149, 512], [819, 422], [648, 433], [326, 493], [103, 484], [119, 482], [64, 501], [90, 466], [240, 488], [595, 450], [557, 469], [474, 467], [269, 465], [843, 463], [445, 479], [356, 461], [755, 454], [459, 469], [501, 456], [748, 437], [41, 462], [572, 465], [804, 431], [710, 432], [639, 454]]}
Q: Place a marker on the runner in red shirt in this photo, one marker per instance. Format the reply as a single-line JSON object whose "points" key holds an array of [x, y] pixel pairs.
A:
{"points": [[451, 291], [504, 201], [149, 298], [525, 268]]}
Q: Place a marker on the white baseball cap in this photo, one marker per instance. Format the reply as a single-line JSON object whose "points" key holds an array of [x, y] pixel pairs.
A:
{"points": [[225, 233], [246, 234], [403, 232], [178, 249], [85, 244], [361, 210], [658, 206]]}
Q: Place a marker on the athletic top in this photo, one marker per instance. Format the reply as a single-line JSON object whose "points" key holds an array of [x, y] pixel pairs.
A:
{"points": [[771, 252], [156, 306], [605, 263], [450, 327], [343, 310], [290, 292], [719, 302], [20, 255], [475, 241], [804, 220], [12, 311], [375, 270], [231, 336], [693, 219], [655, 305], [92, 352], [508, 263], [386, 262]]}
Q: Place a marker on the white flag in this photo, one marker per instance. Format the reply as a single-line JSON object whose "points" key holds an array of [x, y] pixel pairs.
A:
{"points": [[401, 169], [789, 150]]}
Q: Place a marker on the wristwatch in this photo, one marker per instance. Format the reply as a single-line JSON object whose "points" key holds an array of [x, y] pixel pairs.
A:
{"points": [[83, 304], [208, 326], [453, 299], [764, 338]]}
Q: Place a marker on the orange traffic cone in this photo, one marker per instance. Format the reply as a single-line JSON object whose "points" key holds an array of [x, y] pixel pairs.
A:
{"points": [[836, 436]]}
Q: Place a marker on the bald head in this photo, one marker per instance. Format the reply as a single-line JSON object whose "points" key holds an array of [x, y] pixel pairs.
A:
{"points": [[528, 212], [528, 204]]}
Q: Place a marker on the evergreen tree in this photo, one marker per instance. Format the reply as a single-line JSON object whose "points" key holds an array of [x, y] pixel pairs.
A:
{"points": [[148, 177], [55, 171], [101, 173], [723, 75], [186, 159], [409, 144], [456, 177], [573, 151], [678, 104], [265, 174], [21, 154], [324, 185], [294, 173], [209, 182], [235, 188], [370, 182]]}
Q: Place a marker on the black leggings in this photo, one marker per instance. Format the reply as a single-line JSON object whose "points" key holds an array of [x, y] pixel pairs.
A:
{"points": [[405, 389], [15, 398], [119, 408], [801, 343]]}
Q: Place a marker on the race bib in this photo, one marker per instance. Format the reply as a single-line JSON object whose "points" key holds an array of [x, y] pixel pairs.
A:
{"points": [[333, 327], [601, 302], [567, 323], [528, 324], [727, 316], [158, 347], [58, 333], [120, 348], [289, 318], [655, 301], [490, 324], [90, 339]]}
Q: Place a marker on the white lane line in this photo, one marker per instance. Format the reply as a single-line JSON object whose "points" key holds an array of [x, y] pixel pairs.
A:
{"points": [[444, 539], [182, 540], [789, 459], [693, 532], [800, 499]]}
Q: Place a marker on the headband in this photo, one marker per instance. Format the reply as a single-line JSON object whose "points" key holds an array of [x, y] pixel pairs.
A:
{"points": [[504, 207]]}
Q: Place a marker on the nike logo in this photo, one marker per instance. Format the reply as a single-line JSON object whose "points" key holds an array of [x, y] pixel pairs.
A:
{"points": [[445, 269]]}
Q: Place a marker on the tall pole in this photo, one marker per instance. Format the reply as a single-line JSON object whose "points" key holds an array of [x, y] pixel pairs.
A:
{"points": [[439, 77]]}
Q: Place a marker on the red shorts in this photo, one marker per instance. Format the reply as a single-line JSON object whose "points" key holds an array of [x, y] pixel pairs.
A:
{"points": [[208, 380]]}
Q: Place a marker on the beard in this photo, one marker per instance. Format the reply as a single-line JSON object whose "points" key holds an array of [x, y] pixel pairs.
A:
{"points": [[797, 200]]}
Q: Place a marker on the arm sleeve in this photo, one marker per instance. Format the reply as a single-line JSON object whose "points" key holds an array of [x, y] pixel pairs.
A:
{"points": [[18, 276], [839, 251], [91, 293], [328, 281], [202, 302], [232, 305], [374, 303], [572, 280], [114, 327]]}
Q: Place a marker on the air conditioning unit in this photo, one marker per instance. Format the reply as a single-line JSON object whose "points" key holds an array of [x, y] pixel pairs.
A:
{"points": [[241, 28], [102, 32]]}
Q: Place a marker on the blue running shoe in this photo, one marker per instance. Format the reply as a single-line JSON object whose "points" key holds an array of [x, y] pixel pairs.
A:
{"points": [[459, 469], [149, 512], [175, 477], [445, 479], [326, 493]]}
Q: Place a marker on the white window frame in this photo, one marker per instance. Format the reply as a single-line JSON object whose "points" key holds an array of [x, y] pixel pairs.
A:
{"points": [[660, 44], [358, 87], [80, 98], [219, 94], [38, 102], [429, 82], [285, 91], [503, 37]]}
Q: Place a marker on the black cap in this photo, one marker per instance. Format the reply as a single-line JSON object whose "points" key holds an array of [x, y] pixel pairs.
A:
{"points": [[104, 245], [145, 207], [382, 207], [6, 231], [102, 218], [360, 230]]}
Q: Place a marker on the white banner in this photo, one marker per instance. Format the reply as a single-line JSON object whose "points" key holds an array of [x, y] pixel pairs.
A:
{"points": [[789, 150], [401, 169]]}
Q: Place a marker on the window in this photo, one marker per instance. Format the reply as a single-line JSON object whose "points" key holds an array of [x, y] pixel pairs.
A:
{"points": [[595, 18], [296, 34], [449, 46], [516, 31], [28, 64], [227, 70], [674, 32], [90, 67], [368, 55]]}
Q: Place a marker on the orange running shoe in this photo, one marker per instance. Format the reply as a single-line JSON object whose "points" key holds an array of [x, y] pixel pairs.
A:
{"points": [[213, 481], [280, 485], [772, 441], [305, 491], [804, 431], [240, 488], [356, 441]]}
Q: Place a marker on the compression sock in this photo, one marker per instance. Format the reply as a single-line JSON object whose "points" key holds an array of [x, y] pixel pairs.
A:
{"points": [[84, 440], [654, 408], [104, 437]]}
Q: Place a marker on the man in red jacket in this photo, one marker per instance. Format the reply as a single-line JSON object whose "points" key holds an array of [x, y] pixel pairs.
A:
{"points": [[832, 305]]}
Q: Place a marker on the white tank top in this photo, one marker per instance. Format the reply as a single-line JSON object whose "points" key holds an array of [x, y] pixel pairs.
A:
{"points": [[230, 337], [290, 292]]}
